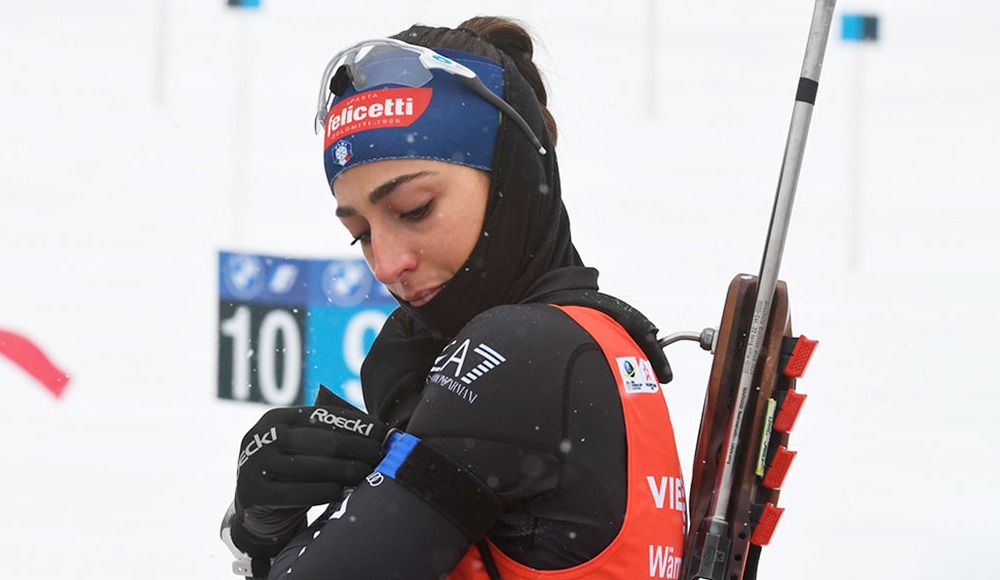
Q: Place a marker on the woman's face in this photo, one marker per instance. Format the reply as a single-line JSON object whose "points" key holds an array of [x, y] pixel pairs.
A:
{"points": [[417, 220]]}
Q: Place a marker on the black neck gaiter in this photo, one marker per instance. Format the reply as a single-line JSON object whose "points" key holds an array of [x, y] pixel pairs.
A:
{"points": [[525, 231]]}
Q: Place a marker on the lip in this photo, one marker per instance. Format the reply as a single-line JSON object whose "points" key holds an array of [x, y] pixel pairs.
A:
{"points": [[422, 297]]}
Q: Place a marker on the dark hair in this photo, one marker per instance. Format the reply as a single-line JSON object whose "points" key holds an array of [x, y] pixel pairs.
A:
{"points": [[487, 36]]}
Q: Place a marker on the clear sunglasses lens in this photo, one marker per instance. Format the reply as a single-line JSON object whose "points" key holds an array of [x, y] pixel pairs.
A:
{"points": [[384, 65], [371, 65]]}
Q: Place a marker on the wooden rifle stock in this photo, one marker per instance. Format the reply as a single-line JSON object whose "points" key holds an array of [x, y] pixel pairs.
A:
{"points": [[748, 490]]}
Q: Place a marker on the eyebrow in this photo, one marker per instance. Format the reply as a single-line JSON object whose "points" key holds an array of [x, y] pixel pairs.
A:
{"points": [[385, 190]]}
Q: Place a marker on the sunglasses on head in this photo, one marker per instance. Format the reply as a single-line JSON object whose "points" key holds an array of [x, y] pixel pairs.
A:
{"points": [[385, 61]]}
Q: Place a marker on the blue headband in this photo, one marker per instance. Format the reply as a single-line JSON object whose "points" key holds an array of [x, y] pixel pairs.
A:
{"points": [[442, 120]]}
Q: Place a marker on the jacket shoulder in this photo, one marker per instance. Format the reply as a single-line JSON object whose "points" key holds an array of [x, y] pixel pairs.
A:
{"points": [[505, 372]]}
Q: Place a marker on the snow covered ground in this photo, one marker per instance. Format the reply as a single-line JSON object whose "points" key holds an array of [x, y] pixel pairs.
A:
{"points": [[141, 137]]}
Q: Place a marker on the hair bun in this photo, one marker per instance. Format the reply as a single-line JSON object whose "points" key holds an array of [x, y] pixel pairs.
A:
{"points": [[507, 35], [489, 36]]}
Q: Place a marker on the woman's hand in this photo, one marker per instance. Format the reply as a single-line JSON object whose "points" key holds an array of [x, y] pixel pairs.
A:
{"points": [[295, 458], [304, 456]]}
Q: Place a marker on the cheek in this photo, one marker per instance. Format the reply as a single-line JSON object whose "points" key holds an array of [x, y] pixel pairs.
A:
{"points": [[463, 231]]}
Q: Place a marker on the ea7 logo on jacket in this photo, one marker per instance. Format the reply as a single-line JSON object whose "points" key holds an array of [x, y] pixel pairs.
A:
{"points": [[637, 375], [456, 368]]}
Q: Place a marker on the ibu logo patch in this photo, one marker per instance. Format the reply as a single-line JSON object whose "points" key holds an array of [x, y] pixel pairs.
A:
{"points": [[637, 375], [342, 152]]}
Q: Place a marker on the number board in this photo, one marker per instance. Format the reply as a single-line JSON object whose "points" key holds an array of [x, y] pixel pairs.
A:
{"points": [[288, 325]]}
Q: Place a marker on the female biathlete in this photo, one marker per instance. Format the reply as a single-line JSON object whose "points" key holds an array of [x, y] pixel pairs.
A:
{"points": [[516, 427]]}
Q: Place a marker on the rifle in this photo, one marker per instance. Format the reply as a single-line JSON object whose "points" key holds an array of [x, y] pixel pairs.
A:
{"points": [[741, 457]]}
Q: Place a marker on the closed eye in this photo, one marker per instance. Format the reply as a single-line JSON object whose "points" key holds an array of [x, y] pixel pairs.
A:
{"points": [[415, 215], [364, 237], [418, 213]]}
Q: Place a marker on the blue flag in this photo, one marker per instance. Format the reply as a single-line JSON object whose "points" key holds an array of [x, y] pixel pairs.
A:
{"points": [[859, 27]]}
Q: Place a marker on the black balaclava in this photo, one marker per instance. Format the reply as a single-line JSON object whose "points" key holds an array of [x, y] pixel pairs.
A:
{"points": [[526, 228]]}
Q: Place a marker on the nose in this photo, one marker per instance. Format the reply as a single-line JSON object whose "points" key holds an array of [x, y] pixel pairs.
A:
{"points": [[392, 258]]}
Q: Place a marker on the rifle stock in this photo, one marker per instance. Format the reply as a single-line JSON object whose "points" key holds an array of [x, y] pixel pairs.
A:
{"points": [[733, 554]]}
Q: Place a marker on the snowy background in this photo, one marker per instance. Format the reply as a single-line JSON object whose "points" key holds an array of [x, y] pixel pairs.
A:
{"points": [[138, 138]]}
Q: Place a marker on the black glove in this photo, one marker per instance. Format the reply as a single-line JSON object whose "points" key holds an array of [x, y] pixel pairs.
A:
{"points": [[295, 458]]}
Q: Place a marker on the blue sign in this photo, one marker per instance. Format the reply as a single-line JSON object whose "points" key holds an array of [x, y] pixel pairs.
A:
{"points": [[244, 3], [288, 325], [859, 27]]}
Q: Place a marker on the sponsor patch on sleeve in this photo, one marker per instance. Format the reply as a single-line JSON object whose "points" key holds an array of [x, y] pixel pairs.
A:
{"points": [[637, 375]]}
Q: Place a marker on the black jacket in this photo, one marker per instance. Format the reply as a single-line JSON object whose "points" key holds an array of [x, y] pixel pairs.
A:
{"points": [[522, 398]]}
